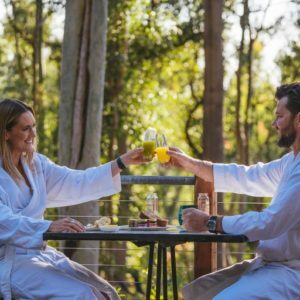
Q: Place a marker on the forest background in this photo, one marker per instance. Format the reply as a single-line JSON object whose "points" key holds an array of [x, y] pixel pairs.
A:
{"points": [[98, 73]]}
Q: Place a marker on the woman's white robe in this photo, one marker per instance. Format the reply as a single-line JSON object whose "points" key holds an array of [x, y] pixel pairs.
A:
{"points": [[277, 228], [22, 228]]}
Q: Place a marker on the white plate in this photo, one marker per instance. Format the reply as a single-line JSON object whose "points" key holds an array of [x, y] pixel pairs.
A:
{"points": [[126, 227], [109, 228], [103, 228]]}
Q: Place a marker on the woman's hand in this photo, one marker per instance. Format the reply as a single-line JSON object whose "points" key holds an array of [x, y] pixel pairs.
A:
{"points": [[194, 219], [66, 225], [134, 157]]}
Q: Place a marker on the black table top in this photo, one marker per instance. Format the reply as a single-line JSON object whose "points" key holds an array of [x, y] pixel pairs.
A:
{"points": [[147, 236]]}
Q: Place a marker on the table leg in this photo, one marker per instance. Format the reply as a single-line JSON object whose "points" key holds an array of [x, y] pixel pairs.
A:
{"points": [[174, 276], [165, 277], [150, 270], [158, 271]]}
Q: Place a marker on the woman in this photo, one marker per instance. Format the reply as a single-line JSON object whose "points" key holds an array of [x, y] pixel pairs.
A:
{"points": [[29, 183]]}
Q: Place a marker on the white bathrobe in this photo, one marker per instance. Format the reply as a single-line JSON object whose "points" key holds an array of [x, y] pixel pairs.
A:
{"points": [[275, 272], [22, 225]]}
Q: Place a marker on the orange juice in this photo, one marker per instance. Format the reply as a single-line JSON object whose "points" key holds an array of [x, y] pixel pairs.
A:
{"points": [[149, 149], [162, 155]]}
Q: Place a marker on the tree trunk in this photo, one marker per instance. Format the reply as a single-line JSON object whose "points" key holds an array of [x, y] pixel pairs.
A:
{"points": [[241, 120], [37, 81], [117, 62], [213, 93], [240, 134], [82, 85]]}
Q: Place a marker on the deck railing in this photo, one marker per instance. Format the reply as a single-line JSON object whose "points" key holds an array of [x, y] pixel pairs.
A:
{"points": [[205, 255]]}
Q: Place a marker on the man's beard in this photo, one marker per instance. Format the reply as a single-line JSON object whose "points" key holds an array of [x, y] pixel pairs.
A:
{"points": [[287, 140]]}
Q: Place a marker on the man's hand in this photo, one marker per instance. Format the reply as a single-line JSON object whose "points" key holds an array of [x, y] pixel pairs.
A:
{"points": [[194, 219], [178, 159], [200, 168], [66, 225]]}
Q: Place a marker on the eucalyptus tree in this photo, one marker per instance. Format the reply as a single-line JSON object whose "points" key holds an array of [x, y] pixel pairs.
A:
{"points": [[81, 104]]}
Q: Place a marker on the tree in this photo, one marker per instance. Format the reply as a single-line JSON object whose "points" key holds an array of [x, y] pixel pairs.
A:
{"points": [[26, 35], [213, 148], [289, 64], [213, 94], [82, 85]]}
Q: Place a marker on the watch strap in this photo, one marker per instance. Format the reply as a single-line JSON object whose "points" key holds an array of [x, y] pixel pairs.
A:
{"points": [[120, 163], [212, 224]]}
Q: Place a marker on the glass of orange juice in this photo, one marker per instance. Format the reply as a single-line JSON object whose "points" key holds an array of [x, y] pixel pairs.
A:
{"points": [[162, 148], [149, 143]]}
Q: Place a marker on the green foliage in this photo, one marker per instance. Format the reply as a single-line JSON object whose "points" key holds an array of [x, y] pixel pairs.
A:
{"points": [[16, 70], [289, 63]]}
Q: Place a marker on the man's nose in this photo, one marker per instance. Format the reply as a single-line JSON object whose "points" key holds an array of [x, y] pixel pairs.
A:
{"points": [[274, 124]]}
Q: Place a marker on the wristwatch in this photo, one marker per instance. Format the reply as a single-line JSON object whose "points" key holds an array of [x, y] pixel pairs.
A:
{"points": [[212, 224], [120, 163]]}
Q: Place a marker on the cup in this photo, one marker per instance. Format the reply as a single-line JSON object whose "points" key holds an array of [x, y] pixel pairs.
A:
{"points": [[162, 148], [149, 143], [181, 208]]}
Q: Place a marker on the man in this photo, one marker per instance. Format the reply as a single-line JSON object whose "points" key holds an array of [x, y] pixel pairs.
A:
{"points": [[275, 272]]}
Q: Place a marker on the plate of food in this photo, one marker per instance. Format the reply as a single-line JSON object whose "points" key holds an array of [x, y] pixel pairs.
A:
{"points": [[146, 221], [102, 224]]}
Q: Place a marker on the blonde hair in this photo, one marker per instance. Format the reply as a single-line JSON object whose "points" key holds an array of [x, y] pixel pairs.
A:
{"points": [[10, 111]]}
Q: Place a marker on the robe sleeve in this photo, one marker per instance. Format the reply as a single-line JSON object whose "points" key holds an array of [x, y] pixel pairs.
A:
{"points": [[66, 186], [260, 180], [280, 217], [18, 230]]}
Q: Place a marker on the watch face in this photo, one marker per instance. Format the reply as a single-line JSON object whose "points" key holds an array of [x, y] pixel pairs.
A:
{"points": [[212, 224]]}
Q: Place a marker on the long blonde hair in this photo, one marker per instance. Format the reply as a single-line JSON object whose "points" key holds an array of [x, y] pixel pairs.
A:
{"points": [[10, 111]]}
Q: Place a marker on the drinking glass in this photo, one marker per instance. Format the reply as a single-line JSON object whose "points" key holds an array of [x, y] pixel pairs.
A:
{"points": [[162, 148], [149, 143]]}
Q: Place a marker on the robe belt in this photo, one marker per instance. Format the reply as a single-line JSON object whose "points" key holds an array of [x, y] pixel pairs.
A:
{"points": [[31, 251]]}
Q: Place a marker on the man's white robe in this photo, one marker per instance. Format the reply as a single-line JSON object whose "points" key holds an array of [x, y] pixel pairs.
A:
{"points": [[22, 227], [277, 228]]}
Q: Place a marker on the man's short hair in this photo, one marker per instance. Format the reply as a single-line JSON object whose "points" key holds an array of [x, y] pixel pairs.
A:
{"points": [[292, 92]]}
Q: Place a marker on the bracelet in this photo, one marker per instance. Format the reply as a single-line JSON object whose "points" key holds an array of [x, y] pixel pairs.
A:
{"points": [[120, 163]]}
